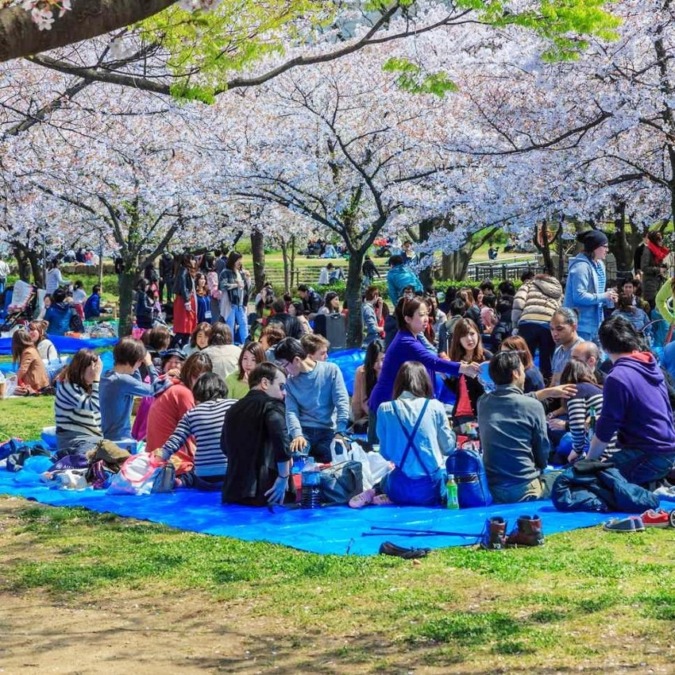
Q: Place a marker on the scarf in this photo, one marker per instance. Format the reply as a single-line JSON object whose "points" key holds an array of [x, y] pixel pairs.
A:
{"points": [[659, 252]]}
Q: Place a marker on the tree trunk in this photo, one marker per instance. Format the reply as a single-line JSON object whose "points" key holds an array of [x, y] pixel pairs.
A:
{"points": [[288, 280], [20, 35], [619, 245], [456, 264], [258, 254], [543, 245], [127, 285], [353, 297], [292, 249], [23, 263]]}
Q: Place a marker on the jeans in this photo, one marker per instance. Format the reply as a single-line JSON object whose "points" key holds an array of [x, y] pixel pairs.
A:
{"points": [[538, 336], [237, 317], [319, 439], [641, 467]]}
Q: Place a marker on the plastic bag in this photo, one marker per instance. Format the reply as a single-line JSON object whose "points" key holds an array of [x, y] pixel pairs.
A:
{"points": [[137, 475]]}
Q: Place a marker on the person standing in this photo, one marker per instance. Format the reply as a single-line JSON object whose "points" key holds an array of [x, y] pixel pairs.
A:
{"points": [[534, 305], [54, 278], [185, 303], [235, 283], [585, 290], [166, 277], [652, 264], [399, 277]]}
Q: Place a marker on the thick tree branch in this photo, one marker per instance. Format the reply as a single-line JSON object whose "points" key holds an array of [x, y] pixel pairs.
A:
{"points": [[20, 35]]}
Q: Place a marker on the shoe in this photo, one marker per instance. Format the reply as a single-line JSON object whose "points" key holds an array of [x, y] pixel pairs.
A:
{"points": [[625, 525], [362, 499], [381, 500], [658, 518], [388, 548], [494, 534], [528, 532]]}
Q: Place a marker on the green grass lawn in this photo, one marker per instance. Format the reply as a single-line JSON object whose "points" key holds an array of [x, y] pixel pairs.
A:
{"points": [[586, 600]]}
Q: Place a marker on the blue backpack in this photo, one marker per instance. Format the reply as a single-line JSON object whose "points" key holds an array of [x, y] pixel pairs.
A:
{"points": [[469, 471]]}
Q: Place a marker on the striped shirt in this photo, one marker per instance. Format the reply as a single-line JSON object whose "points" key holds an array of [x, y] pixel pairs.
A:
{"points": [[205, 423], [77, 412], [578, 410]]}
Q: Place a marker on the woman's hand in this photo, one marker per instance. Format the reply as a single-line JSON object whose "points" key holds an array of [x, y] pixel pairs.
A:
{"points": [[469, 369]]}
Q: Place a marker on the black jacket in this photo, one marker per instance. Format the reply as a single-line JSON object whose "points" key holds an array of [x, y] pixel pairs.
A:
{"points": [[254, 439]]}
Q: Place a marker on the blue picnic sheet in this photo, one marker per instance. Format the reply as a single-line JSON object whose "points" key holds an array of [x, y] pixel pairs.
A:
{"points": [[65, 344], [330, 530]]}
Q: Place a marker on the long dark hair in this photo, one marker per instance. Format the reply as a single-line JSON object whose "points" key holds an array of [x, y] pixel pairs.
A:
{"points": [[232, 259], [74, 372], [374, 350], [407, 307], [413, 377], [462, 328]]}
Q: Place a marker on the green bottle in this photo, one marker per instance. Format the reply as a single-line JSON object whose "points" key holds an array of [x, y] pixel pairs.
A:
{"points": [[453, 501]]}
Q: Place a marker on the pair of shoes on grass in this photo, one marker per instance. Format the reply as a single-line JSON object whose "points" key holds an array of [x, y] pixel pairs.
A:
{"points": [[369, 497], [651, 518], [389, 548]]}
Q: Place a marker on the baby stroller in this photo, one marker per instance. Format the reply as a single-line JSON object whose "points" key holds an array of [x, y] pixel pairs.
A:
{"points": [[22, 306]]}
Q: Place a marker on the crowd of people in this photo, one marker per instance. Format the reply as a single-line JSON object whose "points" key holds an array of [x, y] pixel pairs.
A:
{"points": [[230, 398]]}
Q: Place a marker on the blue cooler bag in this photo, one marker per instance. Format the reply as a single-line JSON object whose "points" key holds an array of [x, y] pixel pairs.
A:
{"points": [[469, 471]]}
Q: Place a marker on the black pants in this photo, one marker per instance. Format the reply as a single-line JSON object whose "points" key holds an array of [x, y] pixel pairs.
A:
{"points": [[538, 337]]}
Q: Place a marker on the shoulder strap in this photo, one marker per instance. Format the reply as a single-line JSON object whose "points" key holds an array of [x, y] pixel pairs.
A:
{"points": [[411, 436]]}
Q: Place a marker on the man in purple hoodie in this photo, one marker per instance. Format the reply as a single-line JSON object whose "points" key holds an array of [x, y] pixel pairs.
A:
{"points": [[635, 406]]}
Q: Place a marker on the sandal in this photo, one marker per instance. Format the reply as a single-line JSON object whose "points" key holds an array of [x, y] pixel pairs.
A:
{"points": [[363, 499]]}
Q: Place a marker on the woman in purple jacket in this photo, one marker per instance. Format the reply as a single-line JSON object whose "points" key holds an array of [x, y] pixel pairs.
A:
{"points": [[412, 317]]}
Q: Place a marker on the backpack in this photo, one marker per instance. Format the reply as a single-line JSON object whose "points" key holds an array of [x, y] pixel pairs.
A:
{"points": [[469, 471], [76, 325]]}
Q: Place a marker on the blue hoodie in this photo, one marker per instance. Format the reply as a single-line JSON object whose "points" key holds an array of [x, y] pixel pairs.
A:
{"points": [[636, 406], [398, 278], [583, 292]]}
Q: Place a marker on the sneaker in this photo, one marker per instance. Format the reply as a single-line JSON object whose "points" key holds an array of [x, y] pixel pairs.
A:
{"points": [[658, 518], [381, 500], [625, 525], [363, 499]]}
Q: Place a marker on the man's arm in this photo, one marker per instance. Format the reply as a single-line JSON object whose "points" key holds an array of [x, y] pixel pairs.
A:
{"points": [[541, 447], [340, 401]]}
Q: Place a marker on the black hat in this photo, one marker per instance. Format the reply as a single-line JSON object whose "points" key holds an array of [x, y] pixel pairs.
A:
{"points": [[168, 353], [592, 239]]}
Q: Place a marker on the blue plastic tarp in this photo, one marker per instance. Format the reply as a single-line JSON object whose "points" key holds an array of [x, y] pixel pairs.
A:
{"points": [[65, 344], [329, 530]]}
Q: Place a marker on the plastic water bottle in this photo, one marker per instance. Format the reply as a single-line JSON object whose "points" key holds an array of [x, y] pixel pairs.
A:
{"points": [[453, 501], [311, 477]]}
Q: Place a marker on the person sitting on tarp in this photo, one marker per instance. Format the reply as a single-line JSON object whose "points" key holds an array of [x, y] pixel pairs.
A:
{"points": [[415, 435], [77, 408], [316, 393], [204, 423], [121, 384], [256, 443], [513, 435], [59, 313], [92, 306], [316, 346], [636, 408]]}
